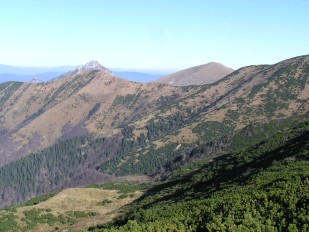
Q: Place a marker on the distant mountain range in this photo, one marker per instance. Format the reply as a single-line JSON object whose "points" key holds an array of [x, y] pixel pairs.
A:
{"points": [[26, 74], [4, 77], [138, 77], [198, 75]]}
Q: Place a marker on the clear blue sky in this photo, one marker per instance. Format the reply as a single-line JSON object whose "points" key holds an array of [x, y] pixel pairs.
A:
{"points": [[156, 34]]}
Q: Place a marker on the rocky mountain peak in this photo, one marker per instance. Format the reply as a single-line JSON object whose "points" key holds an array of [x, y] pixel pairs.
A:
{"points": [[93, 65], [36, 80]]}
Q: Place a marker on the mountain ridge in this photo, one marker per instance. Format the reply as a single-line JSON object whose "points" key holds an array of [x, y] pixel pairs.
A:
{"points": [[197, 75], [113, 127], [240, 189], [25, 74]]}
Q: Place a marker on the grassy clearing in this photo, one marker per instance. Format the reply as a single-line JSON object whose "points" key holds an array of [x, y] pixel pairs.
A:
{"points": [[71, 209]]}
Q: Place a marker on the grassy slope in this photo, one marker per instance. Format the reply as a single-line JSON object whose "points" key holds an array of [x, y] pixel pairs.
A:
{"points": [[263, 188], [255, 94], [154, 136], [71, 209]]}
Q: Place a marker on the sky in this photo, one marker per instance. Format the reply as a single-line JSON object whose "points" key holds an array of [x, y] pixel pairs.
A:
{"points": [[152, 34]]}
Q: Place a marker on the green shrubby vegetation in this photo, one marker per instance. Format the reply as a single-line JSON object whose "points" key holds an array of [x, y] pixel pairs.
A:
{"points": [[59, 161], [259, 183], [38, 199], [35, 217], [262, 188], [128, 100], [8, 221], [122, 187]]}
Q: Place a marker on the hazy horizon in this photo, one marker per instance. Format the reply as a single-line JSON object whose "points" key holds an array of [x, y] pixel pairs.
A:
{"points": [[152, 35]]}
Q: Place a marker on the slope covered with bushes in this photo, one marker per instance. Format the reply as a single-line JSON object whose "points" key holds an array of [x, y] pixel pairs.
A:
{"points": [[262, 188]]}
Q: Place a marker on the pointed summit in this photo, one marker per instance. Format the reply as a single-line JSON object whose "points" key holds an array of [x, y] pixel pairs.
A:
{"points": [[93, 65]]}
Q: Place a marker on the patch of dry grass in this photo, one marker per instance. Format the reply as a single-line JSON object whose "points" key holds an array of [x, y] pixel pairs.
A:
{"points": [[107, 204]]}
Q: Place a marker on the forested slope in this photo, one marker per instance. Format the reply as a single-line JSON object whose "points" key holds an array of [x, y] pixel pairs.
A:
{"points": [[260, 184], [262, 188], [89, 127]]}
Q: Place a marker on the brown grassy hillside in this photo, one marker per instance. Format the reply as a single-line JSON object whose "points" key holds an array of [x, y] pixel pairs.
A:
{"points": [[95, 126], [198, 75]]}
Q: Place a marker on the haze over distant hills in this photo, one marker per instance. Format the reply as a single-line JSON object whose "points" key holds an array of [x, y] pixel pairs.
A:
{"points": [[19, 70], [198, 75], [138, 76], [26, 74]]}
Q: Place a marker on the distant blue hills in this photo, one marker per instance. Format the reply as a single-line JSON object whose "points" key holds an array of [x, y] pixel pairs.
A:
{"points": [[26, 78], [25, 74], [138, 77]]}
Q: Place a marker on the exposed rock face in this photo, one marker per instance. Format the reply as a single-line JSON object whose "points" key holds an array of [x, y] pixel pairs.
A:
{"points": [[36, 80], [93, 65]]}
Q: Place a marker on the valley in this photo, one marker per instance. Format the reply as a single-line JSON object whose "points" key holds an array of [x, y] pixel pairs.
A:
{"points": [[220, 148]]}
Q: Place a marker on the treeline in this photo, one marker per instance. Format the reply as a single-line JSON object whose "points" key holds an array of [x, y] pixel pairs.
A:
{"points": [[53, 168], [57, 165], [140, 156], [130, 159], [41, 172], [61, 164]]}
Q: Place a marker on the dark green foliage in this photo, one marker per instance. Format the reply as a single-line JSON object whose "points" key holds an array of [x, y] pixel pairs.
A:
{"points": [[126, 162], [35, 217], [158, 127], [59, 162], [257, 132], [122, 196], [50, 168], [128, 100], [8, 222], [80, 214], [153, 157], [38, 216], [106, 202], [263, 188], [122, 187], [147, 163], [212, 130], [38, 199], [306, 69], [287, 85]]}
